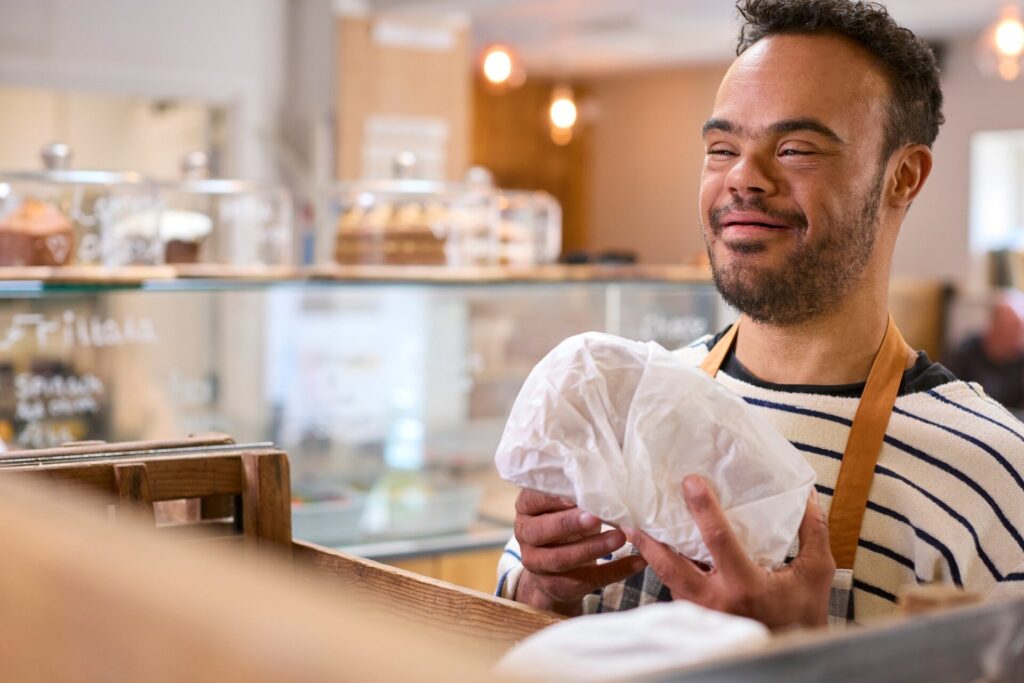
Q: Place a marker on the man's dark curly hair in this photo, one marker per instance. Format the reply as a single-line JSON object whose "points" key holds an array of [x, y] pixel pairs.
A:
{"points": [[915, 104]]}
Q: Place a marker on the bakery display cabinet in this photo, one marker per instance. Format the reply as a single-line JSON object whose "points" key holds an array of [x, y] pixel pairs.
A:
{"points": [[389, 390], [59, 216], [204, 226], [405, 221]]}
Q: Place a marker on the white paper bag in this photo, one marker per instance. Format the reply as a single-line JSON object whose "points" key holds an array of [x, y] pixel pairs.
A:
{"points": [[616, 425], [636, 643]]}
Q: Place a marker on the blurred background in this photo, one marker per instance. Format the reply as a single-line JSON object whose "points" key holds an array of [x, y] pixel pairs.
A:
{"points": [[278, 166], [308, 91]]}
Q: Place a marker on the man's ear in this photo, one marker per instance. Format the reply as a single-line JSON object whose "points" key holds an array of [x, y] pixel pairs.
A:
{"points": [[910, 168]]}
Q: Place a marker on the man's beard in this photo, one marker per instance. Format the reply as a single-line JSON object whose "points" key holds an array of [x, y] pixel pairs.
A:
{"points": [[815, 278]]}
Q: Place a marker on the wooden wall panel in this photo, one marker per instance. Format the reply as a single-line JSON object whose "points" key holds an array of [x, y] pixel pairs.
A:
{"points": [[376, 79], [510, 137]]}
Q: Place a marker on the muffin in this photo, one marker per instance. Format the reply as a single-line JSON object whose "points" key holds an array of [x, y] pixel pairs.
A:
{"points": [[36, 234]]}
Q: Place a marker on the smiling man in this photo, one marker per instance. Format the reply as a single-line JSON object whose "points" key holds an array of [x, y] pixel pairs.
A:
{"points": [[818, 143]]}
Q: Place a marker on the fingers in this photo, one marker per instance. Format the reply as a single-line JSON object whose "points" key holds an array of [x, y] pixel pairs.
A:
{"points": [[563, 526], [530, 502], [563, 592], [571, 556], [680, 574], [814, 542], [715, 529], [601, 575]]}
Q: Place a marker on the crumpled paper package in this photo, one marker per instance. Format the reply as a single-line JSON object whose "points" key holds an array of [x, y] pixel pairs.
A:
{"points": [[629, 645], [615, 425]]}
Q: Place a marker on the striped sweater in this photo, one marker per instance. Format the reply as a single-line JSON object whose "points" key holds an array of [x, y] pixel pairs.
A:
{"points": [[947, 500]]}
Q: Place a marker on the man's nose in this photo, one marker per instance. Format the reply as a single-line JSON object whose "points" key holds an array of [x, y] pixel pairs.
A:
{"points": [[750, 175]]}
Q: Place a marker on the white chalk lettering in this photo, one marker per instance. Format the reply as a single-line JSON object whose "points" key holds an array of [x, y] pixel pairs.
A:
{"points": [[72, 330]]}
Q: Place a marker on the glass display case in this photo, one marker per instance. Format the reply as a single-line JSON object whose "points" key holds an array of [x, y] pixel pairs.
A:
{"points": [[390, 398], [226, 222], [529, 230], [421, 222], [62, 217]]}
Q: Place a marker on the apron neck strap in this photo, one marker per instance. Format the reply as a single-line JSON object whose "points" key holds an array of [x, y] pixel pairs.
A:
{"points": [[864, 444]]}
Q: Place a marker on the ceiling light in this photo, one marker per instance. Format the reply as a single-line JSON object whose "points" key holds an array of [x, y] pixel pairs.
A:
{"points": [[1009, 36], [498, 65], [563, 109], [562, 114], [1001, 46]]}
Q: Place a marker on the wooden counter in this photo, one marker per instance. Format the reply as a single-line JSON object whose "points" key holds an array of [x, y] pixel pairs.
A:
{"points": [[138, 275]]}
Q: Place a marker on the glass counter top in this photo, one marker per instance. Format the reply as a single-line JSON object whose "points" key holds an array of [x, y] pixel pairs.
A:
{"points": [[388, 394]]}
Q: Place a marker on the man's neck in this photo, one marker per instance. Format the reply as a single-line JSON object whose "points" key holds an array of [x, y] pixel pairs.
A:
{"points": [[838, 348]]}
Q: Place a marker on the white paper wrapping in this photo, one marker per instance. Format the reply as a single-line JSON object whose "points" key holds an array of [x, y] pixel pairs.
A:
{"points": [[616, 425], [629, 645]]}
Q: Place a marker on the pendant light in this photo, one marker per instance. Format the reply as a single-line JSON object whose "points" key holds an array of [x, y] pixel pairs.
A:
{"points": [[562, 114], [1000, 47], [501, 68]]}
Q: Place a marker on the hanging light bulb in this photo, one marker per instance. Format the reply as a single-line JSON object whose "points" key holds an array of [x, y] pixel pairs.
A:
{"points": [[498, 64], [1001, 46], [501, 68], [563, 114]]}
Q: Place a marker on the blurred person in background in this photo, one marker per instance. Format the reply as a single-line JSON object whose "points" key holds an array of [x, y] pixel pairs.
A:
{"points": [[994, 358]]}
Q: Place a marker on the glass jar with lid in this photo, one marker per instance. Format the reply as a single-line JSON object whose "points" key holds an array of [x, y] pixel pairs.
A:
{"points": [[529, 231], [408, 221], [60, 216], [220, 221]]}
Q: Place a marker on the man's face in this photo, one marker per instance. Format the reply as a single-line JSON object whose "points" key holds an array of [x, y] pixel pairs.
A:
{"points": [[793, 176]]}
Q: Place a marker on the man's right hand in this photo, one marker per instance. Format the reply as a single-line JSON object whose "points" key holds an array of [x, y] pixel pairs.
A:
{"points": [[560, 546]]}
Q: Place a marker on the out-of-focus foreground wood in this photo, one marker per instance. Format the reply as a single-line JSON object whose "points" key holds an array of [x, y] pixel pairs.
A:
{"points": [[493, 623], [85, 599], [232, 492]]}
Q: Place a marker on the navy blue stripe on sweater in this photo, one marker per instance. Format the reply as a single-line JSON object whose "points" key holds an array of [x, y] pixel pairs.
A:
{"points": [[890, 553], [513, 553], [501, 583], [970, 439], [874, 590], [785, 407], [954, 569], [973, 485], [908, 449], [939, 397], [886, 472]]}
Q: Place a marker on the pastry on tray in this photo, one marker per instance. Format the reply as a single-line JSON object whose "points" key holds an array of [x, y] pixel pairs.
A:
{"points": [[391, 236], [181, 232], [36, 234]]}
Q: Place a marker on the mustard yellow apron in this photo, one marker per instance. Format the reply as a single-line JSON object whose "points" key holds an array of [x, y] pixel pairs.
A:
{"points": [[857, 470]]}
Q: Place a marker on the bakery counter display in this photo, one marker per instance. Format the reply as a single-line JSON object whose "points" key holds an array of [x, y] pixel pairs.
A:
{"points": [[225, 227], [59, 217], [390, 396], [409, 222]]}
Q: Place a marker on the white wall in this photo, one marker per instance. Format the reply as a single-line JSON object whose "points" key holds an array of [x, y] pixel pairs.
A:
{"points": [[308, 111], [226, 52]]}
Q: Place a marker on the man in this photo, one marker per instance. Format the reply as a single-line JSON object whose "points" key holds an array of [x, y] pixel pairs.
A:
{"points": [[995, 358], [819, 141]]}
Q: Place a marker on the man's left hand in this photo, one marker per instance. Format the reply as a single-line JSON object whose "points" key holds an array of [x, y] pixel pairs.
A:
{"points": [[795, 595]]}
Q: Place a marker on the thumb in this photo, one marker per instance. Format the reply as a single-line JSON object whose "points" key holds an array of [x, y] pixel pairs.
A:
{"points": [[813, 534]]}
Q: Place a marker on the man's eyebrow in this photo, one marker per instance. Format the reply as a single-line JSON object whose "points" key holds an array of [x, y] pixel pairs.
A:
{"points": [[808, 124], [719, 124], [777, 128]]}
